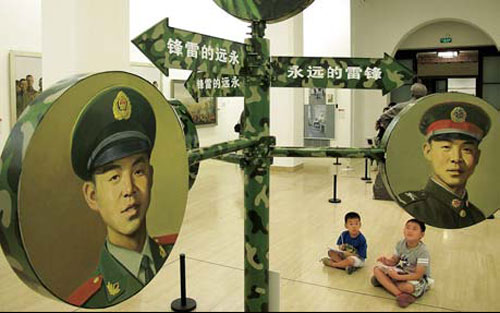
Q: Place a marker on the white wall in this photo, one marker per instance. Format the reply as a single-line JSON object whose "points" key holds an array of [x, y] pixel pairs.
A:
{"points": [[20, 22], [88, 36], [287, 104], [375, 27], [380, 26], [327, 33]]}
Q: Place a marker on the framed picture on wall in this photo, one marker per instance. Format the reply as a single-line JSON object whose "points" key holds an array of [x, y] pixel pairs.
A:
{"points": [[149, 72], [319, 121], [25, 81], [330, 96], [204, 112]]}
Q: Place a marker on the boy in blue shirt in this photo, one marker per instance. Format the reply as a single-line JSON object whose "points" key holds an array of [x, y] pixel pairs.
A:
{"points": [[351, 254]]}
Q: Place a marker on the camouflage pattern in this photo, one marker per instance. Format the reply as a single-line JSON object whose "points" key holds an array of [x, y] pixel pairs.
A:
{"points": [[200, 84], [11, 168], [256, 169], [327, 152], [190, 135], [197, 155], [167, 47], [231, 158], [386, 74], [270, 11]]}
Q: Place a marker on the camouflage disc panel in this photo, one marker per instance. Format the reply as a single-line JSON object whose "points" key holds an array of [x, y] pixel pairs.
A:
{"points": [[270, 11], [426, 143], [190, 134], [52, 237], [11, 167]]}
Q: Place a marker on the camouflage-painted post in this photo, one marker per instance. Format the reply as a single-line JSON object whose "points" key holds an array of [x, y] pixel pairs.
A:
{"points": [[256, 170]]}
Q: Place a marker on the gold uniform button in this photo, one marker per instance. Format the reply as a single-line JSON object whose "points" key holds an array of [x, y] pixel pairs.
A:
{"points": [[463, 213]]}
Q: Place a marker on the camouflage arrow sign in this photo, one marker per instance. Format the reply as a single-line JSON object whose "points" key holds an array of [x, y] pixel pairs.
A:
{"points": [[357, 73], [200, 84], [169, 47]]}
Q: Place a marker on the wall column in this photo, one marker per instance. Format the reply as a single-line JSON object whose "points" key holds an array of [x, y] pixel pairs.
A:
{"points": [[84, 36]]}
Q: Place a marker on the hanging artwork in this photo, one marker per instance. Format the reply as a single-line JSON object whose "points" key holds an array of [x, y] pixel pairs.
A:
{"points": [[203, 112]]}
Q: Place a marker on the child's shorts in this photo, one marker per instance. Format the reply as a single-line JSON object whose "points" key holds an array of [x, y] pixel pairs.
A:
{"points": [[420, 286], [358, 262]]}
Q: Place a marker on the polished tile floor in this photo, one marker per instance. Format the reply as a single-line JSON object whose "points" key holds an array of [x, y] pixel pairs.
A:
{"points": [[465, 263]]}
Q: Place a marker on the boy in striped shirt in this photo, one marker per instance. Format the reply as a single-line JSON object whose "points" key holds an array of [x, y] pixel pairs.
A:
{"points": [[406, 274]]}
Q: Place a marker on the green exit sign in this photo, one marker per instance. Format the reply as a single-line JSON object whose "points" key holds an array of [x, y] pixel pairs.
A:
{"points": [[445, 40]]}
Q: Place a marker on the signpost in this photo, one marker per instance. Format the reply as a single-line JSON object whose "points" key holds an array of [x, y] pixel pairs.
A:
{"points": [[223, 68], [352, 73], [200, 84], [169, 47]]}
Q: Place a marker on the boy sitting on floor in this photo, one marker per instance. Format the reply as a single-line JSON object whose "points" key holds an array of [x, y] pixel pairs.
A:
{"points": [[351, 254], [406, 274]]}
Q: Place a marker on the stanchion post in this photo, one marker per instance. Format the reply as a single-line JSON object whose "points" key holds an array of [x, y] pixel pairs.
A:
{"points": [[183, 304], [366, 177], [334, 199], [337, 161]]}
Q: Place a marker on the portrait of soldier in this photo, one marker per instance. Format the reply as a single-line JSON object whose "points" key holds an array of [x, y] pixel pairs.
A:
{"points": [[110, 151], [453, 132]]}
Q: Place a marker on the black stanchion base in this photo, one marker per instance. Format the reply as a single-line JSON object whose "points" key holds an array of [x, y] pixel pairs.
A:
{"points": [[368, 179], [337, 163], [334, 200], [178, 307]]}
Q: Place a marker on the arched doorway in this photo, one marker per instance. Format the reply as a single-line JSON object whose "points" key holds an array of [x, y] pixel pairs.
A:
{"points": [[451, 55]]}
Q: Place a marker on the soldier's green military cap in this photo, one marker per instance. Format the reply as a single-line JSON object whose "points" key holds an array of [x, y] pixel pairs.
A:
{"points": [[455, 118], [117, 123]]}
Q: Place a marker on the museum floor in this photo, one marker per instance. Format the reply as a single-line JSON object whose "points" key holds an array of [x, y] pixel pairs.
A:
{"points": [[465, 263]]}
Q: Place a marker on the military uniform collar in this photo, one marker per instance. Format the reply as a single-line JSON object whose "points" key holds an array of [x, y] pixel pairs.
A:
{"points": [[158, 253], [458, 204], [131, 260], [117, 280], [447, 189]]}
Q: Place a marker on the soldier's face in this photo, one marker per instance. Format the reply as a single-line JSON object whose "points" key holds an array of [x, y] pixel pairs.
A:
{"points": [[453, 161], [121, 194], [30, 80]]}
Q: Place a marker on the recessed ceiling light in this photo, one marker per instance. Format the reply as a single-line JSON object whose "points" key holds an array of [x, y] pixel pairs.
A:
{"points": [[447, 54]]}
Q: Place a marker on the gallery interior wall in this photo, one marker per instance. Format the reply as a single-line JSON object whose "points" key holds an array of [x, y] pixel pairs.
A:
{"points": [[286, 109], [88, 36], [20, 29], [364, 24], [327, 32], [380, 26], [23, 20]]}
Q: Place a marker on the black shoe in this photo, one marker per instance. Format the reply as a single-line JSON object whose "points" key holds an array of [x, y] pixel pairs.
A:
{"points": [[350, 269]]}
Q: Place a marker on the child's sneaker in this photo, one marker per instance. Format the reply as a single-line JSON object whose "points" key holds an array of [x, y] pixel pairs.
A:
{"points": [[375, 282], [405, 299], [350, 269]]}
